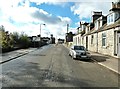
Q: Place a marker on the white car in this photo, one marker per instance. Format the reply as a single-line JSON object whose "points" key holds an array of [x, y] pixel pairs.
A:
{"points": [[79, 52]]}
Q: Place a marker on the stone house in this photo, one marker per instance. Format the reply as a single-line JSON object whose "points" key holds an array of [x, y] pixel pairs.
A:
{"points": [[69, 39], [104, 36]]}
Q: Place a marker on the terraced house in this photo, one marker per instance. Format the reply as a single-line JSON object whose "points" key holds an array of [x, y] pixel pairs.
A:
{"points": [[102, 35]]}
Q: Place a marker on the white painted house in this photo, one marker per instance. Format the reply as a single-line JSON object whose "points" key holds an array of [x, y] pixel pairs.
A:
{"points": [[104, 36]]}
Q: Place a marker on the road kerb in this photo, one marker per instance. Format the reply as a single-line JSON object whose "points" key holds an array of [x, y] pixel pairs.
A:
{"points": [[109, 68], [1, 62], [13, 58], [102, 64]]}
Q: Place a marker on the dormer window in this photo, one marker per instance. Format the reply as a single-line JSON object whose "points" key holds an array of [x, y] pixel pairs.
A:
{"points": [[114, 14], [117, 16], [110, 18], [97, 24]]}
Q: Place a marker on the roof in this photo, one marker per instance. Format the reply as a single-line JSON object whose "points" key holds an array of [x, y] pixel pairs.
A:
{"points": [[105, 27]]}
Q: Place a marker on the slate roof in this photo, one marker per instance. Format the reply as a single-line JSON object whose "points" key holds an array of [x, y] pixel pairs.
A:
{"points": [[104, 28]]}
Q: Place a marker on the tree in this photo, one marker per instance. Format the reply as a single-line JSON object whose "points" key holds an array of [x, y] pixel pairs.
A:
{"points": [[15, 37], [10, 41], [5, 39], [24, 41]]}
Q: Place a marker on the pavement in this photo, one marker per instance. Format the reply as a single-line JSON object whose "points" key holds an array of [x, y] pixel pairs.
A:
{"points": [[105, 60], [5, 57]]}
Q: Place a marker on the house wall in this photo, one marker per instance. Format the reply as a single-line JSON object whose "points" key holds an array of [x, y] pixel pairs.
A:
{"points": [[109, 48], [116, 31], [74, 40], [96, 45], [84, 41], [77, 39], [92, 46]]}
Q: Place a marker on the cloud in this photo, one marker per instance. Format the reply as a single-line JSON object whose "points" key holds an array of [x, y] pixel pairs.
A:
{"points": [[17, 15], [85, 9], [50, 2], [45, 17], [60, 2]]}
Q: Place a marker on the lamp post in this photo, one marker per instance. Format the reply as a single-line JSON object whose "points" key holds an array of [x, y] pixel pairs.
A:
{"points": [[40, 33]]}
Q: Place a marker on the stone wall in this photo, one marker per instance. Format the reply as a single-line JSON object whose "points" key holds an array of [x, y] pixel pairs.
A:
{"points": [[96, 45], [92, 46], [109, 48], [77, 39]]}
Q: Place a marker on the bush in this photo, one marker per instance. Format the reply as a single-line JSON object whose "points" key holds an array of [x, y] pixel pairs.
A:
{"points": [[11, 41]]}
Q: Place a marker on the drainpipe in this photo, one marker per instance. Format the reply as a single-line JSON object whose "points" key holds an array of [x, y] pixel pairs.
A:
{"points": [[115, 44]]}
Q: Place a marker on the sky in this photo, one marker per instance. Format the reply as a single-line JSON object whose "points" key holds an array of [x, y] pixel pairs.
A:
{"points": [[27, 15]]}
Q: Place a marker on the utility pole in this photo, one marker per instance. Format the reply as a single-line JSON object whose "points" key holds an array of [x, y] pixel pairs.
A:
{"points": [[67, 34], [40, 34], [67, 27]]}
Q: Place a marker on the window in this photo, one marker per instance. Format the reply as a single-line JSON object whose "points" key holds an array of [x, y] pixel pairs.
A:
{"points": [[92, 39], [109, 19], [117, 16], [79, 48], [96, 25], [103, 39], [112, 18]]}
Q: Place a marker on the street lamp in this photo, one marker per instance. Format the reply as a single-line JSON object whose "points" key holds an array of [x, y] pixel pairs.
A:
{"points": [[40, 33]]}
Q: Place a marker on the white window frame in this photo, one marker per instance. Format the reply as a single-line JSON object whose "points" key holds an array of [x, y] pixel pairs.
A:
{"points": [[111, 19], [103, 39]]}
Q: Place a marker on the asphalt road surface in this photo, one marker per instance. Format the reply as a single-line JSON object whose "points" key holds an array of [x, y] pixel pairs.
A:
{"points": [[52, 67]]}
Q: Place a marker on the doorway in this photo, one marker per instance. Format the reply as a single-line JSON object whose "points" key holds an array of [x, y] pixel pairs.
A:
{"points": [[118, 44]]}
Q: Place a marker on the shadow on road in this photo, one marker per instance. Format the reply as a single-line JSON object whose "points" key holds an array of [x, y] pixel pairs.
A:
{"points": [[37, 55], [99, 58], [85, 60]]}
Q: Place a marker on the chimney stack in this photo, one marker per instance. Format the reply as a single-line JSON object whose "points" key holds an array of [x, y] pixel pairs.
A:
{"points": [[96, 15]]}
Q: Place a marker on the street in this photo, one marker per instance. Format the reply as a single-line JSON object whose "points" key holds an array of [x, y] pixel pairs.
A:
{"points": [[51, 66]]}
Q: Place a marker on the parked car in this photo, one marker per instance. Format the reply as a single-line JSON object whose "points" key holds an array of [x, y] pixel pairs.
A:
{"points": [[79, 52]]}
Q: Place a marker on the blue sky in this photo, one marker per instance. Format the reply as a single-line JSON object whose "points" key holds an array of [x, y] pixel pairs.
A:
{"points": [[57, 10], [27, 15]]}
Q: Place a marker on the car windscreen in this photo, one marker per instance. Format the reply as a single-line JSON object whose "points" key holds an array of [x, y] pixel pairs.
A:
{"points": [[79, 48]]}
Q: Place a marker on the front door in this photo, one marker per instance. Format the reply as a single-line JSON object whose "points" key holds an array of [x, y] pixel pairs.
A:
{"points": [[86, 43], [118, 44]]}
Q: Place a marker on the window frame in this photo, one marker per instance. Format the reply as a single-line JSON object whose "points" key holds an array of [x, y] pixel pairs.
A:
{"points": [[111, 19], [104, 39]]}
